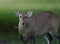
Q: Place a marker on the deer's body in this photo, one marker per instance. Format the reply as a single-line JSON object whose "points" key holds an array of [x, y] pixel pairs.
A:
{"points": [[41, 24]]}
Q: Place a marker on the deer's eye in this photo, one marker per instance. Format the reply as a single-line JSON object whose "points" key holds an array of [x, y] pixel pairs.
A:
{"points": [[25, 16]]}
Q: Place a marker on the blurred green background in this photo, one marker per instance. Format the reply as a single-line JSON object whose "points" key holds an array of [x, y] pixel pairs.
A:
{"points": [[9, 22]]}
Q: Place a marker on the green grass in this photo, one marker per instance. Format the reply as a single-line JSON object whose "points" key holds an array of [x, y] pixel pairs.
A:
{"points": [[28, 4], [7, 15]]}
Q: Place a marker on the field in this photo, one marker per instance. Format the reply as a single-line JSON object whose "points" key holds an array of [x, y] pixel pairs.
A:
{"points": [[8, 21]]}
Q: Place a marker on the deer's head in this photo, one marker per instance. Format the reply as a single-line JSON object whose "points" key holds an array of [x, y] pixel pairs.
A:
{"points": [[23, 17]]}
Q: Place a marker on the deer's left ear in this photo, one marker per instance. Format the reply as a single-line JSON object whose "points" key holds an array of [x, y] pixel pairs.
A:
{"points": [[17, 12], [29, 14]]}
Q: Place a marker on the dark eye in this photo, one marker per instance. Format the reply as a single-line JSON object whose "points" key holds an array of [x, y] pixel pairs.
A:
{"points": [[25, 16]]}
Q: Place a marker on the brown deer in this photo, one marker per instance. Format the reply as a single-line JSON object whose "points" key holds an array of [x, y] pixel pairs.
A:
{"points": [[45, 23]]}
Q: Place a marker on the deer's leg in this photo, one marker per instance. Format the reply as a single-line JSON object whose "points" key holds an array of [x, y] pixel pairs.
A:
{"points": [[32, 39], [26, 41], [48, 38], [59, 39], [54, 28], [54, 33], [22, 39]]}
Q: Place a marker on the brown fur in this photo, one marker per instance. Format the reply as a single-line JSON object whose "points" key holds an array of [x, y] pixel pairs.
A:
{"points": [[43, 23]]}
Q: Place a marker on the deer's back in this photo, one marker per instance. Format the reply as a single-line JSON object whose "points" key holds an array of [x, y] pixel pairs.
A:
{"points": [[40, 23]]}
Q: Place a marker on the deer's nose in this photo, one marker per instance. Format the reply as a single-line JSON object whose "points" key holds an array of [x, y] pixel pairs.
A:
{"points": [[23, 23]]}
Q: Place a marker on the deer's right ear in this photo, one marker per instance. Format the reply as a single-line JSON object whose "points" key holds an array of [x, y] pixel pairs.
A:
{"points": [[17, 13], [29, 14]]}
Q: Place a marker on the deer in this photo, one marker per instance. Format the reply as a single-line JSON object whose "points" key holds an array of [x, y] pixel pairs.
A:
{"points": [[30, 26]]}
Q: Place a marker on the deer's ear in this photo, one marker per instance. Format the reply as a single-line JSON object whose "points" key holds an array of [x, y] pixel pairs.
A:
{"points": [[29, 14], [17, 13]]}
